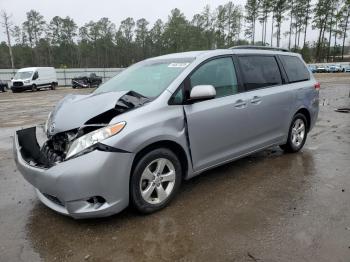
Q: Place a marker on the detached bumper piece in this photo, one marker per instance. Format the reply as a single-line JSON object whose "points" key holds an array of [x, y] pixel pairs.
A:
{"points": [[30, 149]]}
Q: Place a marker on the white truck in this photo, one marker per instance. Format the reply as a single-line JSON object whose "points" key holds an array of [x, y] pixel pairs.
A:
{"points": [[34, 78]]}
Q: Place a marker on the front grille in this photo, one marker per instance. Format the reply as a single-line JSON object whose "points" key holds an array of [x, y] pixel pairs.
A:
{"points": [[53, 199], [17, 83]]}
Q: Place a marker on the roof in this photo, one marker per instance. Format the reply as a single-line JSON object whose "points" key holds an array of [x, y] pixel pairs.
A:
{"points": [[31, 68], [191, 54], [238, 50]]}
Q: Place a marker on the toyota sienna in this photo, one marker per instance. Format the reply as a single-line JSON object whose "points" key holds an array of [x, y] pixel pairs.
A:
{"points": [[136, 137]]}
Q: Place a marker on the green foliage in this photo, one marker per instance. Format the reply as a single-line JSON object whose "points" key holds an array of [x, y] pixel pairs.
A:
{"points": [[61, 43], [306, 52], [252, 12]]}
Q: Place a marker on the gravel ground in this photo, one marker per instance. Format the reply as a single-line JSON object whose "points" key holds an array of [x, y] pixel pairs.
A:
{"points": [[266, 207]]}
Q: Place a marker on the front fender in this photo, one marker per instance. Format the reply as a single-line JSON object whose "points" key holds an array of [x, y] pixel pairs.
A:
{"points": [[146, 128]]}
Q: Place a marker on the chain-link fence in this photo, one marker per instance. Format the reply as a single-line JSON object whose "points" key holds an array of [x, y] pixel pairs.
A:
{"points": [[64, 76]]}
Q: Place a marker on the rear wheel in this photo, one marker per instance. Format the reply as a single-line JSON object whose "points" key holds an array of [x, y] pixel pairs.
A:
{"points": [[53, 86], [297, 134], [155, 180]]}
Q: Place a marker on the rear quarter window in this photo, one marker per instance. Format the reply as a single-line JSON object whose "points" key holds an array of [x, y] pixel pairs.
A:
{"points": [[295, 69]]}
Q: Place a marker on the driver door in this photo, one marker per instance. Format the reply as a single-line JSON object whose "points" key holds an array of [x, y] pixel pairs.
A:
{"points": [[217, 128], [36, 78]]}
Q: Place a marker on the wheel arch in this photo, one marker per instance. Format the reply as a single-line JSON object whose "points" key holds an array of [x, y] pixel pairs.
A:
{"points": [[304, 111], [176, 148]]}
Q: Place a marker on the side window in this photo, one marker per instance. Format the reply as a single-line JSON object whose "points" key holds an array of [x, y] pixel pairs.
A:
{"points": [[36, 75], [219, 73], [295, 68], [178, 97], [259, 71]]}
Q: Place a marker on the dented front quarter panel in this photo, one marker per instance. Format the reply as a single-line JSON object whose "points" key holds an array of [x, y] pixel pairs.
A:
{"points": [[151, 123]]}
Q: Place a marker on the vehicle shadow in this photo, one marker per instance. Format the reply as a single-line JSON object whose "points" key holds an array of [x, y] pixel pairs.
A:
{"points": [[219, 209]]}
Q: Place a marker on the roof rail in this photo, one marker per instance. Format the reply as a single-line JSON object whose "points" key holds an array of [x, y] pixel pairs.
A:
{"points": [[259, 48]]}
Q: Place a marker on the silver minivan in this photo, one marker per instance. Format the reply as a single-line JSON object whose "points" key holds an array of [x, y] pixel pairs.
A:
{"points": [[162, 120]]}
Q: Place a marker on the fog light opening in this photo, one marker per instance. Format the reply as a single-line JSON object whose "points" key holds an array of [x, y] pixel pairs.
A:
{"points": [[96, 201]]}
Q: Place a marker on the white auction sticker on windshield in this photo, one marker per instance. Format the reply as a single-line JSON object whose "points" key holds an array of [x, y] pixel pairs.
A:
{"points": [[178, 65]]}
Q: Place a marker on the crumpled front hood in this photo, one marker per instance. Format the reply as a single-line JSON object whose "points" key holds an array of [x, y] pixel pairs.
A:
{"points": [[73, 111]]}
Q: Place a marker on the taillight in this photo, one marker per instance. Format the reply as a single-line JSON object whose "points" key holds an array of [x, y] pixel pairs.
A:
{"points": [[317, 86]]}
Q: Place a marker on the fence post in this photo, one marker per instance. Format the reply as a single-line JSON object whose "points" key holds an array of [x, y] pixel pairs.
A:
{"points": [[65, 79]]}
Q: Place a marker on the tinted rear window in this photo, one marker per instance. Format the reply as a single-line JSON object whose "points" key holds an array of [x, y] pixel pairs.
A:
{"points": [[259, 71], [295, 68]]}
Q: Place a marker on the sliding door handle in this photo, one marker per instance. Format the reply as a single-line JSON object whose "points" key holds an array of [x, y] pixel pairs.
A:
{"points": [[240, 103], [256, 100]]}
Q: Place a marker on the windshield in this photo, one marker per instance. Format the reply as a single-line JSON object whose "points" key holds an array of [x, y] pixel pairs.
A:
{"points": [[148, 78], [23, 75]]}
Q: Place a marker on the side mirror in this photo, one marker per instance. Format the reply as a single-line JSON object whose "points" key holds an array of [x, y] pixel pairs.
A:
{"points": [[202, 92], [11, 78]]}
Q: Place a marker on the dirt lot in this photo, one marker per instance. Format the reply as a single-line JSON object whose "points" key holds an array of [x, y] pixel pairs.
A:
{"points": [[267, 207]]}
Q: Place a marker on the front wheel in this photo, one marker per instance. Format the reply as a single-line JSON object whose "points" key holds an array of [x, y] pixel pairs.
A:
{"points": [[297, 134], [155, 180]]}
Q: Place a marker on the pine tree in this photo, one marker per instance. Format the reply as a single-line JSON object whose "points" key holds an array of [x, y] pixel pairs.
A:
{"points": [[252, 13]]}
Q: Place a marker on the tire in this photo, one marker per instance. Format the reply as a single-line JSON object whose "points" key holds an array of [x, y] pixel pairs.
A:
{"points": [[34, 88], [53, 86], [149, 192], [297, 134]]}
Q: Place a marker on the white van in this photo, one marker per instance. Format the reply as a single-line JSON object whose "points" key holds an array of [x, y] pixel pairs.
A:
{"points": [[34, 78]]}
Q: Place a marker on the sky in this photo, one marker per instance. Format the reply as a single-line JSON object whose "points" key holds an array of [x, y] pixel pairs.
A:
{"points": [[83, 11]]}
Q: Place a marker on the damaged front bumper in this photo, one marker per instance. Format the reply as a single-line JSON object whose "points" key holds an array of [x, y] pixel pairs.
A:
{"points": [[76, 83], [95, 184]]}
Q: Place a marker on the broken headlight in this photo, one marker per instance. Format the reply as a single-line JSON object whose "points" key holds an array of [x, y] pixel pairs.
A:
{"points": [[93, 138]]}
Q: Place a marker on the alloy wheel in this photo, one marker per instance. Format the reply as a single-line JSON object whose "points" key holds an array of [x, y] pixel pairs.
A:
{"points": [[298, 132], [157, 181]]}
